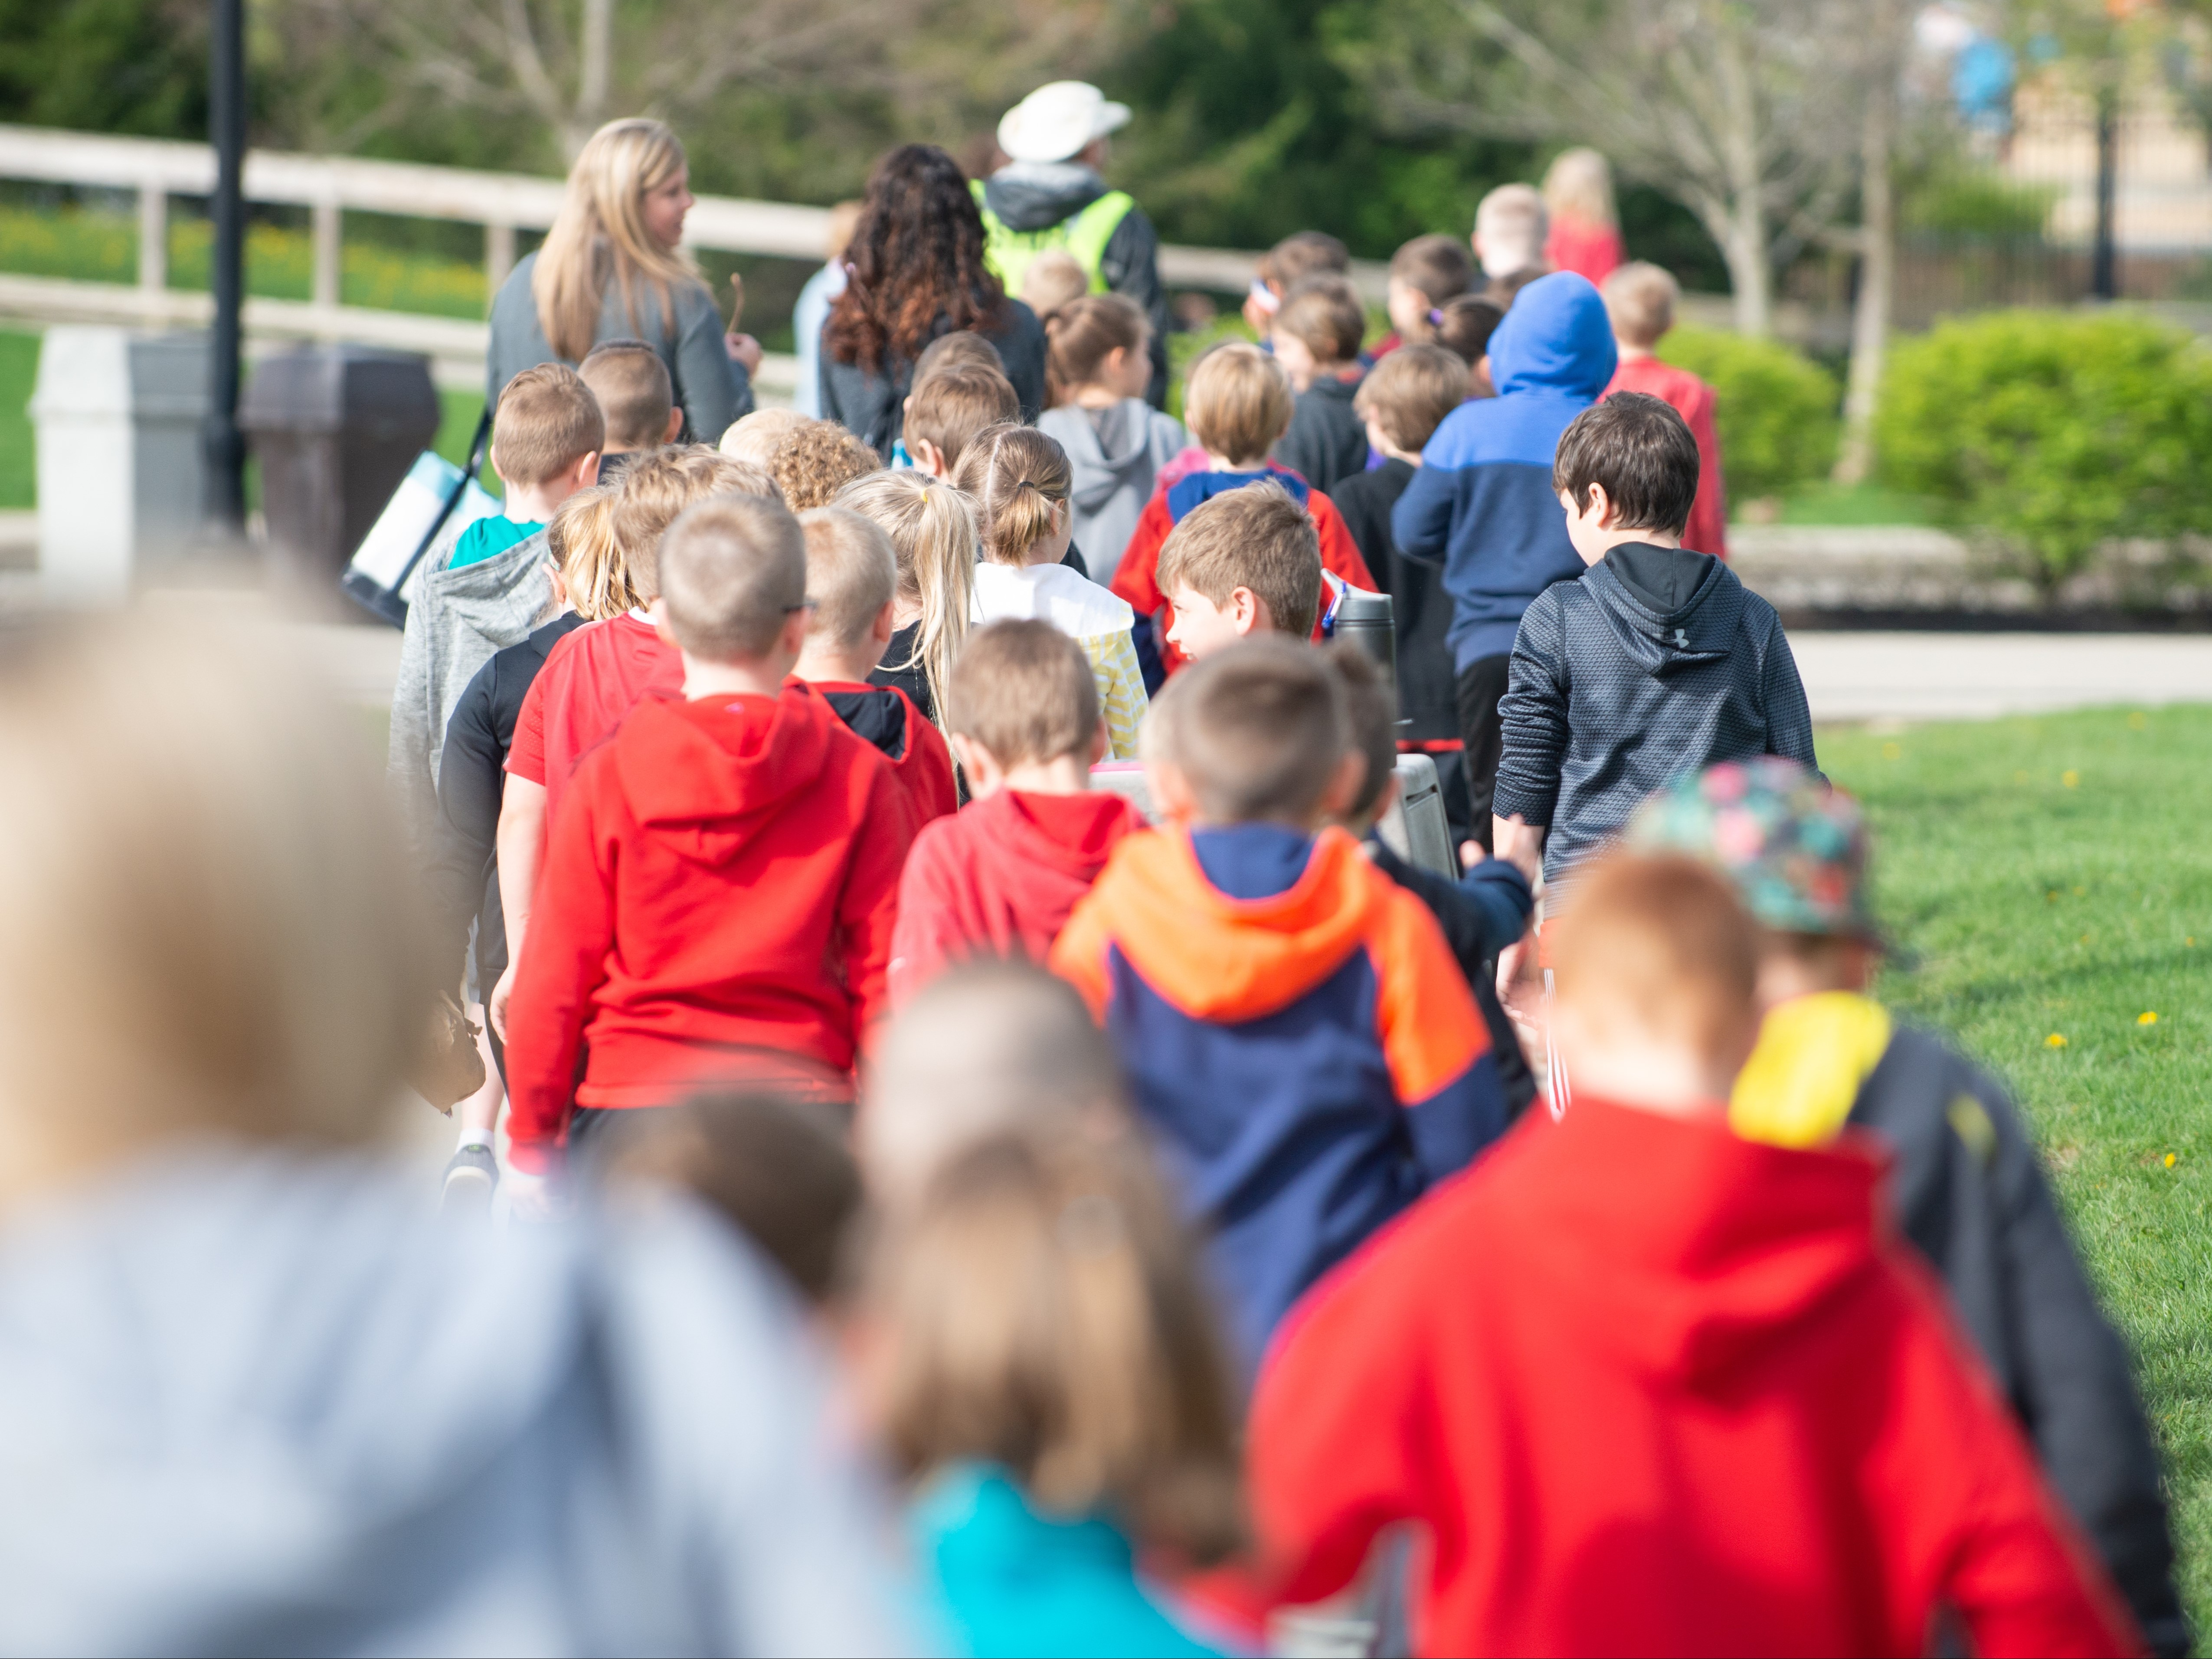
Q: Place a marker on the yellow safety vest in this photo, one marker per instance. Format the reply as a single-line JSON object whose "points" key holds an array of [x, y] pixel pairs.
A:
{"points": [[1083, 235]]}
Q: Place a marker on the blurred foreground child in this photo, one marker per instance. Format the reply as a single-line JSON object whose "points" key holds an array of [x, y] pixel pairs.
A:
{"points": [[1647, 1386], [250, 1399], [1044, 1366], [1640, 298], [1967, 1187], [1116, 442], [743, 798], [1020, 482], [1238, 403], [999, 877], [1658, 662], [1296, 1033], [1317, 337], [852, 581]]}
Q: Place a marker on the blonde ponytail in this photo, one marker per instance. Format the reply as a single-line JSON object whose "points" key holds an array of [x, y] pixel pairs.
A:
{"points": [[934, 532], [1020, 480]]}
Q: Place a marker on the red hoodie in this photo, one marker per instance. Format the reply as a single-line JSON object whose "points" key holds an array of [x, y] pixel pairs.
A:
{"points": [[1655, 1389], [724, 879], [887, 718], [1691, 399], [592, 680], [999, 878]]}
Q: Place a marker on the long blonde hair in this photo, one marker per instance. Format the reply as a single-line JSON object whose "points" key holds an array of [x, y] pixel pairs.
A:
{"points": [[600, 232], [581, 541], [1579, 184], [1018, 478], [934, 531]]}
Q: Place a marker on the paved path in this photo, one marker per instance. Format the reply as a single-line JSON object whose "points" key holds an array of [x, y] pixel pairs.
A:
{"points": [[1973, 676]]}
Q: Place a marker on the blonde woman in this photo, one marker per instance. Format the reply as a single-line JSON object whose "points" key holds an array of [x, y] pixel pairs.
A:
{"points": [[934, 532], [614, 267], [1021, 480], [1585, 233]]}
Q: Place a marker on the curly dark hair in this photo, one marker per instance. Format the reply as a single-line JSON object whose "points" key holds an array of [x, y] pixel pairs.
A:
{"points": [[916, 260]]}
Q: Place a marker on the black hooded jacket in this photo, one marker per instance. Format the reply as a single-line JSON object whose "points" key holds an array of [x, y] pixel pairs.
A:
{"points": [[1657, 662]]}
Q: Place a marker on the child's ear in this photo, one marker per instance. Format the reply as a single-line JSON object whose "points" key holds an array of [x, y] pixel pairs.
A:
{"points": [[675, 424], [587, 471], [657, 613], [885, 625], [1172, 799], [1344, 785], [1100, 743]]}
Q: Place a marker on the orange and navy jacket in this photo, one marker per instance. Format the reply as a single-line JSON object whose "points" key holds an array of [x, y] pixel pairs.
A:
{"points": [[1297, 1033]]}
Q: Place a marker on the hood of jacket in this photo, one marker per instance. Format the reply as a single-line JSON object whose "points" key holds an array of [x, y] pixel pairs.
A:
{"points": [[1698, 628], [1218, 958], [1029, 196], [707, 772], [1684, 1248], [502, 596], [1099, 819], [1557, 338], [1103, 454]]}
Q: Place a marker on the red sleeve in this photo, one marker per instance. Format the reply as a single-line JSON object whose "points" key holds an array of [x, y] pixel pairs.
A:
{"points": [[1136, 579], [1708, 528], [930, 773], [1340, 553], [1336, 1448], [564, 962], [867, 910], [927, 935], [525, 754]]}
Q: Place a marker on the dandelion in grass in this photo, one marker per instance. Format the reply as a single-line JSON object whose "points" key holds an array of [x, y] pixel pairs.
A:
{"points": [[2071, 779], [2137, 722], [2169, 1160], [1892, 751], [2148, 1017], [2056, 1040]]}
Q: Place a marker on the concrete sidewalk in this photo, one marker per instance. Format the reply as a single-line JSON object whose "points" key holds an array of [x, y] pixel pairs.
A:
{"points": [[1975, 676]]}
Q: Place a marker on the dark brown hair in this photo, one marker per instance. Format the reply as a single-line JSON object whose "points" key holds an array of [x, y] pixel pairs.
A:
{"points": [[1257, 538], [1024, 691], [1300, 254], [916, 263], [1464, 326], [1439, 266], [546, 420], [1640, 451], [1257, 729]]}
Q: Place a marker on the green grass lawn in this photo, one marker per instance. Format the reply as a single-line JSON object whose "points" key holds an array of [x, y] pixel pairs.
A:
{"points": [[2053, 879]]}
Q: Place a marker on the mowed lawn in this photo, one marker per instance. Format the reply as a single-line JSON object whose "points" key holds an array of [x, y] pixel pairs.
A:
{"points": [[2051, 880]]}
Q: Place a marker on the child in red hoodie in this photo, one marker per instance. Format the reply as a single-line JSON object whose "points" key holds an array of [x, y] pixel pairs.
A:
{"points": [[1000, 878], [720, 890], [852, 581], [1649, 1387]]}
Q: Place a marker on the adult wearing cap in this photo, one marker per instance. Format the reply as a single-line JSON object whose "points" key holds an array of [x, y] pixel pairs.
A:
{"points": [[1966, 1186], [1050, 194]]}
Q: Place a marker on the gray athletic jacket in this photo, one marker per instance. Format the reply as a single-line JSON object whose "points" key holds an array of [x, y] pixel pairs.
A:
{"points": [[1657, 662]]}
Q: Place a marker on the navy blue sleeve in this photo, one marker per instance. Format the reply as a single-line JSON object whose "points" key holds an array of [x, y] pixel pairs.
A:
{"points": [[1534, 713], [1788, 716], [1500, 893], [1459, 1120], [1421, 522]]}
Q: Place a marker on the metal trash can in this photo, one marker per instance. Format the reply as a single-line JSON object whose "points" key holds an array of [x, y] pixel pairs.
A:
{"points": [[336, 428], [120, 468]]}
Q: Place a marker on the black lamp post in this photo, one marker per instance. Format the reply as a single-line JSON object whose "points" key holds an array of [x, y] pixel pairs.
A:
{"points": [[225, 506]]}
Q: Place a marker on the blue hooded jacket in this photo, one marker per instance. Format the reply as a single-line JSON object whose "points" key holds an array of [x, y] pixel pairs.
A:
{"points": [[1481, 505]]}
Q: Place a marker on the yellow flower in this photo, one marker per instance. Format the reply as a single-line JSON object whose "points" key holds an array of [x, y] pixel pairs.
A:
{"points": [[2071, 779], [2136, 722], [2054, 1041], [2169, 1160], [2147, 1018]]}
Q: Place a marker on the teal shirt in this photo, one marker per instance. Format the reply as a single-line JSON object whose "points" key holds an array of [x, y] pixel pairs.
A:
{"points": [[1014, 1581], [488, 536]]}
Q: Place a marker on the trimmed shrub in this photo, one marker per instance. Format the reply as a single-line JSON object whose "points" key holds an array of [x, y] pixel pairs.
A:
{"points": [[1777, 410], [2052, 432]]}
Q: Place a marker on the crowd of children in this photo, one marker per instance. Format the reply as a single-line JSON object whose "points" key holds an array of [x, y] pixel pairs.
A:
{"points": [[947, 991]]}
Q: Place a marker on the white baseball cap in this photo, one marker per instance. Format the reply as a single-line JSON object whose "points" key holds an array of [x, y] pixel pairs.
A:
{"points": [[1057, 120]]}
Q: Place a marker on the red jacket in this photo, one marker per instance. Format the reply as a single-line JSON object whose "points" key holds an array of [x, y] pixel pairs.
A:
{"points": [[1136, 579], [1655, 1389], [723, 880], [999, 878], [886, 716], [1693, 399], [592, 680]]}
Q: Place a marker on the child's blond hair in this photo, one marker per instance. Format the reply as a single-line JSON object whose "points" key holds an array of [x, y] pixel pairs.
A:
{"points": [[851, 574], [1639, 301], [653, 491], [1053, 278], [581, 541], [1324, 315], [1019, 479], [1024, 691], [635, 392], [734, 570], [546, 421], [1237, 403], [1257, 732], [935, 537], [1409, 393], [817, 460], [1579, 184], [759, 435], [1042, 1311]]}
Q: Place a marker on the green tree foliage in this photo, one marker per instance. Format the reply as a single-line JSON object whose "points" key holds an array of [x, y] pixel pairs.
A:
{"points": [[1775, 410], [128, 66], [2053, 432]]}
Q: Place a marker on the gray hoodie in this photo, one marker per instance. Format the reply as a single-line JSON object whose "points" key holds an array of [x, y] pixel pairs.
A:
{"points": [[1115, 454], [1657, 662], [457, 619], [260, 1404]]}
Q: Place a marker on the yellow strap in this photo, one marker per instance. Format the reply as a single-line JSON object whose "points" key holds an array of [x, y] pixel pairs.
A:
{"points": [[1813, 1054]]}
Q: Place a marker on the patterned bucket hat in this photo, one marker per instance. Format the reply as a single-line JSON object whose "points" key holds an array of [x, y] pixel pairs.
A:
{"points": [[1795, 846]]}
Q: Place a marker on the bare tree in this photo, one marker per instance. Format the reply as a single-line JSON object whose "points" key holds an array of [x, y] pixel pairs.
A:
{"points": [[1744, 111], [1884, 46]]}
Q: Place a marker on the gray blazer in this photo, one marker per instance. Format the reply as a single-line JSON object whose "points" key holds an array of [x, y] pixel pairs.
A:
{"points": [[711, 390]]}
